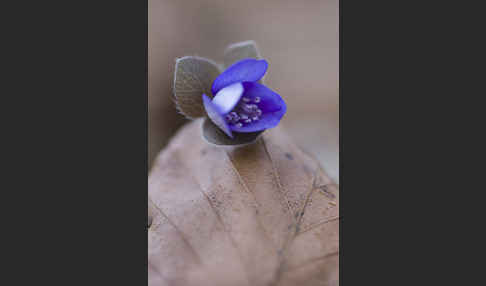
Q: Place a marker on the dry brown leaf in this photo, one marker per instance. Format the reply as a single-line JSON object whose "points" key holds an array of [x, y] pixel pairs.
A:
{"points": [[252, 215]]}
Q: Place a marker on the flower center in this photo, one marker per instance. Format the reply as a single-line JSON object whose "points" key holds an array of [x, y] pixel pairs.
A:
{"points": [[245, 112]]}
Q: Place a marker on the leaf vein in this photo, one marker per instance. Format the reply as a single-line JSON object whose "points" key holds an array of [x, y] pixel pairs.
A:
{"points": [[181, 234]]}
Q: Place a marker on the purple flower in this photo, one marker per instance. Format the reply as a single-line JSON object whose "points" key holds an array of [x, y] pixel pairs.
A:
{"points": [[240, 103]]}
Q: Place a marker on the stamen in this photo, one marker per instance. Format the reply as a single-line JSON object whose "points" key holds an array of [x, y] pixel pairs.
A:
{"points": [[245, 112], [247, 108]]}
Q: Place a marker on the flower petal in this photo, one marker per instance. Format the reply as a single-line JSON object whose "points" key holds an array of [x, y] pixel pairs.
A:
{"points": [[216, 116], [270, 101], [245, 70], [228, 97], [272, 105]]}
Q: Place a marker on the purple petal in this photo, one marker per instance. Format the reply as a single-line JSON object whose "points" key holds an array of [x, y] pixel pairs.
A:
{"points": [[216, 115], [272, 105], [245, 70], [270, 101]]}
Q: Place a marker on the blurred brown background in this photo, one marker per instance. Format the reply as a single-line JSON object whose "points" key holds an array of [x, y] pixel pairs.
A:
{"points": [[299, 39]]}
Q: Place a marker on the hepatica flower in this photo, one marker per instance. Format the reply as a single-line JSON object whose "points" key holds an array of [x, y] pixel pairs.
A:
{"points": [[235, 105], [241, 104]]}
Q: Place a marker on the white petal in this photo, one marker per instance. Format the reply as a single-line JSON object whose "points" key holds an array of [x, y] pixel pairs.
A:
{"points": [[227, 98]]}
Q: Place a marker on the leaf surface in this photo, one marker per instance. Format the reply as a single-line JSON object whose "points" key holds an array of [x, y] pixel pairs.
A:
{"points": [[239, 51], [260, 214], [193, 76]]}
